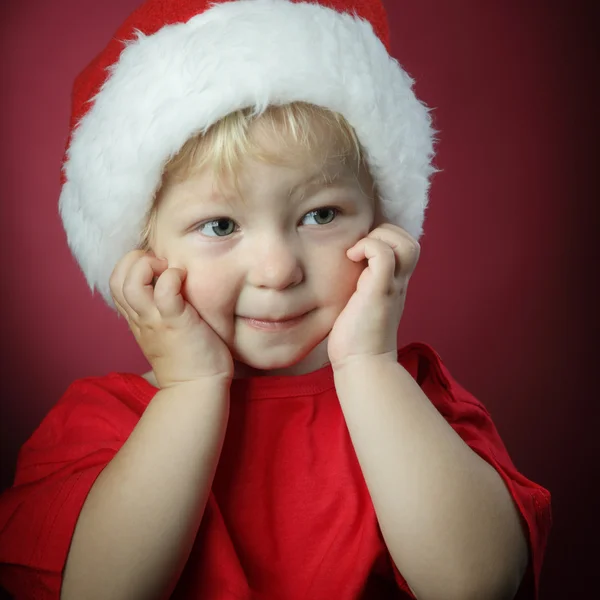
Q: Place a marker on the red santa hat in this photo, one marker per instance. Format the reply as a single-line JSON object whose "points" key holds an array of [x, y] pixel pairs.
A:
{"points": [[175, 67]]}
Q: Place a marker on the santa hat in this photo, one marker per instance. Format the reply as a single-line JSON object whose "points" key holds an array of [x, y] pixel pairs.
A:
{"points": [[175, 67]]}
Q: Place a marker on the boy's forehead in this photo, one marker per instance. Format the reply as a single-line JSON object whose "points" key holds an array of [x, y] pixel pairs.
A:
{"points": [[291, 181]]}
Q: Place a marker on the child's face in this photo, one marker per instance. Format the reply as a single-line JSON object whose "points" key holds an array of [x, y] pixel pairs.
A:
{"points": [[267, 257]]}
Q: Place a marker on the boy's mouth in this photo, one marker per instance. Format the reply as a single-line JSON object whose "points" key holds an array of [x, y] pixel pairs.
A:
{"points": [[275, 324]]}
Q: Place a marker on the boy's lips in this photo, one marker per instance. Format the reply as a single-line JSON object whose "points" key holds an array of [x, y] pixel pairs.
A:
{"points": [[270, 319], [281, 323]]}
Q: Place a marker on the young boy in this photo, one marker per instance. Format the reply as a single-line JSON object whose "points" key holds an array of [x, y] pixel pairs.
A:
{"points": [[245, 183]]}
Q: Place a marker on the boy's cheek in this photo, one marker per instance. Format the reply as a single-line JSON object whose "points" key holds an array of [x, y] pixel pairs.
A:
{"points": [[205, 290], [342, 280], [213, 304]]}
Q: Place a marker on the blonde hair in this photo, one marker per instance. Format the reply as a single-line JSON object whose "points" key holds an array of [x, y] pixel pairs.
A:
{"points": [[299, 127]]}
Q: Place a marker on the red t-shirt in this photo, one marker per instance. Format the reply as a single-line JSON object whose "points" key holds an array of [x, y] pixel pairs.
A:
{"points": [[289, 515]]}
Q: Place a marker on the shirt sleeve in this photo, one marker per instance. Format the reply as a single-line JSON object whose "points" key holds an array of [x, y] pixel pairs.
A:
{"points": [[55, 471], [471, 420]]}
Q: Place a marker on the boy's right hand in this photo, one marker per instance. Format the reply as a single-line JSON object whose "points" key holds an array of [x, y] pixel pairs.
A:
{"points": [[180, 346]]}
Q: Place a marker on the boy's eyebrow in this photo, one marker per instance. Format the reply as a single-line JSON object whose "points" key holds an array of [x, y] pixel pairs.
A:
{"points": [[320, 178], [317, 180]]}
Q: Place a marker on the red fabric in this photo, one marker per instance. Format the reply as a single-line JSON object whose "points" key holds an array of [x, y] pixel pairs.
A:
{"points": [[152, 15], [289, 515]]}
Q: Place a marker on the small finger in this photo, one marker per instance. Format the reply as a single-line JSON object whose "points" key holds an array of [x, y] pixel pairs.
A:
{"points": [[117, 278], [138, 289], [405, 247], [381, 260], [121, 309], [168, 296]]}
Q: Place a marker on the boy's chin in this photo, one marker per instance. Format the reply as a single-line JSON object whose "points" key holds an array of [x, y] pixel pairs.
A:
{"points": [[278, 365]]}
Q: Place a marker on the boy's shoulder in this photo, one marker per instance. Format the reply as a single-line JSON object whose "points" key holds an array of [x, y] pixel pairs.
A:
{"points": [[433, 376], [115, 383], [423, 362], [115, 393], [94, 415]]}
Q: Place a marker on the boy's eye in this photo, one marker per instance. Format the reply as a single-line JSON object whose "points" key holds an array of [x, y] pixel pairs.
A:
{"points": [[221, 227], [322, 216]]}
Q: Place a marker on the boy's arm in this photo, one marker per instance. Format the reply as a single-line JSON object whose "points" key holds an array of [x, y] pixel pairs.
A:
{"points": [[447, 518], [140, 519]]}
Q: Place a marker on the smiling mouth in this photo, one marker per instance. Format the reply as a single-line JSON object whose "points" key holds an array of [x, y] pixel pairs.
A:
{"points": [[274, 325]]}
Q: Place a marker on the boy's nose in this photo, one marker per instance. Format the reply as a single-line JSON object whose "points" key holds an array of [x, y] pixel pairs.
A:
{"points": [[275, 264]]}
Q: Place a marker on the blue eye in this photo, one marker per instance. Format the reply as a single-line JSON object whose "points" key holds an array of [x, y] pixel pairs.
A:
{"points": [[224, 227], [221, 227], [322, 216]]}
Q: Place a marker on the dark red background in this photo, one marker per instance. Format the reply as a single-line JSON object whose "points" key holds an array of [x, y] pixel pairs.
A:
{"points": [[505, 288]]}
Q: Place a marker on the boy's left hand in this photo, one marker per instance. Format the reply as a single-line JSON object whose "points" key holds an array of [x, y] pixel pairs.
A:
{"points": [[368, 325]]}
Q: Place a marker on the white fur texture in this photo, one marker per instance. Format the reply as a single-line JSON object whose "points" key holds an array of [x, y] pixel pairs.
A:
{"points": [[170, 85]]}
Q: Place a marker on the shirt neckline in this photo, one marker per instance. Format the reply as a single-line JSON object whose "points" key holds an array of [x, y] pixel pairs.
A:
{"points": [[273, 386]]}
